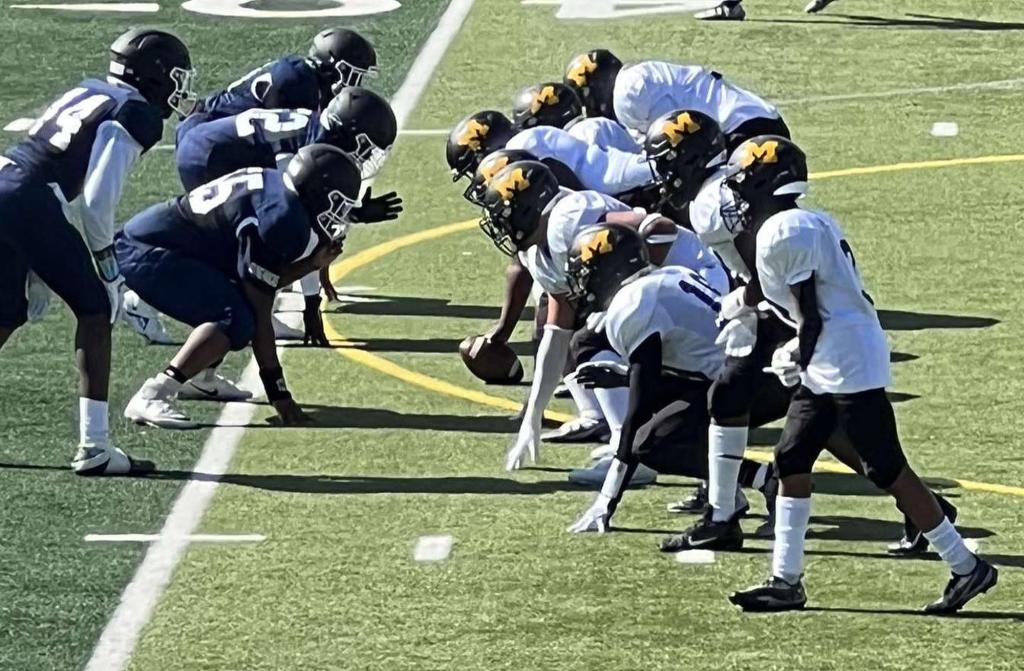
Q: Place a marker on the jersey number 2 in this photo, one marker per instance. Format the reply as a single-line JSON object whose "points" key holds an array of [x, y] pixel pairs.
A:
{"points": [[848, 251]]}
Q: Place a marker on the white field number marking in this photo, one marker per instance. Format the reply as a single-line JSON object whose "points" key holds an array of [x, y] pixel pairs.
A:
{"points": [[620, 9], [239, 8], [123, 7], [432, 548]]}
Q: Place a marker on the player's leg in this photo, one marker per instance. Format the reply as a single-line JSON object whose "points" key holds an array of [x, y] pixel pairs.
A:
{"points": [[194, 293], [727, 10], [13, 302], [589, 425], [868, 420]]}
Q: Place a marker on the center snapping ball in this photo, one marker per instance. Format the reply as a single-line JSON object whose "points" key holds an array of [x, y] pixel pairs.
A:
{"points": [[494, 363]]}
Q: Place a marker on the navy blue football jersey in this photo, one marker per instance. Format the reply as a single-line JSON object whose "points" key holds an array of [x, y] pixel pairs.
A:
{"points": [[247, 224], [59, 145], [287, 83], [252, 139]]}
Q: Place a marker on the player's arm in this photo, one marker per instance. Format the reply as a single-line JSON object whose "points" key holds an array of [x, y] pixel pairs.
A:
{"points": [[645, 364], [808, 319], [518, 283], [659, 232]]}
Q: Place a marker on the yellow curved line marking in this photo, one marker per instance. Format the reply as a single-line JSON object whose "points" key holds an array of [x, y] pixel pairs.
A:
{"points": [[349, 350]]}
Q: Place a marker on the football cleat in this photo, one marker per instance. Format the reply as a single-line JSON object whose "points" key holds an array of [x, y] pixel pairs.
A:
{"points": [[283, 331], [152, 405], [93, 460], [815, 6], [774, 595], [209, 386], [579, 430], [708, 535], [694, 503], [726, 11], [603, 452], [145, 320], [962, 588], [913, 541], [562, 391], [593, 477]]}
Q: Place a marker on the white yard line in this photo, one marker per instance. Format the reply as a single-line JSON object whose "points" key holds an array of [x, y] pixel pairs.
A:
{"points": [[193, 538], [128, 7], [895, 93], [116, 644], [432, 548]]}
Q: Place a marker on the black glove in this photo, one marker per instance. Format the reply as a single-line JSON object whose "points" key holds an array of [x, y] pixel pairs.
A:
{"points": [[313, 322], [603, 375], [374, 210]]}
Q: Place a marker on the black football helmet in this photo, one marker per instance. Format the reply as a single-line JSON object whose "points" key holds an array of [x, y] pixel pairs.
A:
{"points": [[762, 170], [363, 125], [327, 181], [684, 147], [488, 168], [158, 64], [602, 258], [513, 203], [473, 138], [342, 57], [592, 75], [547, 104]]}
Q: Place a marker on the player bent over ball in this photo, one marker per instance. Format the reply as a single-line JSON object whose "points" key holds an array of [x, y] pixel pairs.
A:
{"points": [[215, 258]]}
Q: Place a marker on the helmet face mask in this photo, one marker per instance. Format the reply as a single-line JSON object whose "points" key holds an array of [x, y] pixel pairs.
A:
{"points": [[334, 220], [766, 173], [499, 234], [514, 203], [369, 156], [350, 75], [183, 98]]}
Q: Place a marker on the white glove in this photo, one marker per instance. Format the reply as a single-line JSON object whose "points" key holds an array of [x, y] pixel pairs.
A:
{"points": [[784, 364], [527, 442], [595, 322], [115, 293], [595, 519], [739, 335], [38, 295], [733, 305]]}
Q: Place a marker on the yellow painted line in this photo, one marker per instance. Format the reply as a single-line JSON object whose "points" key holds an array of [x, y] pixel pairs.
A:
{"points": [[349, 350]]}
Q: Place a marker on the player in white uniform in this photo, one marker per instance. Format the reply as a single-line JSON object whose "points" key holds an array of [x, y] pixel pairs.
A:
{"points": [[663, 325], [605, 133], [840, 360]]}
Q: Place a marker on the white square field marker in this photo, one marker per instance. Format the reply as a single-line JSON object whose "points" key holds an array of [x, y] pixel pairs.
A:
{"points": [[945, 129], [432, 548], [696, 557]]}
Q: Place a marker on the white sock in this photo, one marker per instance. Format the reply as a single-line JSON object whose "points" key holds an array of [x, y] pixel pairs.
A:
{"points": [[791, 519], [169, 387], [948, 542], [93, 429], [614, 402], [585, 399], [725, 453]]}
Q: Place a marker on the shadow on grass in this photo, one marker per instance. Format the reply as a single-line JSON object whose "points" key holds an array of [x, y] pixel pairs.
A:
{"points": [[417, 306], [903, 320], [410, 345], [912, 21], [963, 615]]}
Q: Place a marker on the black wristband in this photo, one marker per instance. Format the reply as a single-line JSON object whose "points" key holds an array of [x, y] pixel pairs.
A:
{"points": [[274, 385]]}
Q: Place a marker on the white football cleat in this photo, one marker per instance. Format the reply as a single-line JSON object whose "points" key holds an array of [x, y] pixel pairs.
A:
{"points": [[152, 405], [96, 460], [593, 477], [145, 320], [284, 332], [210, 386], [815, 6], [726, 11], [603, 452]]}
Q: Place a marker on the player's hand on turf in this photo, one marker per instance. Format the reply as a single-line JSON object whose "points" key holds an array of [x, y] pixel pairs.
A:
{"points": [[374, 210], [289, 413], [595, 520], [785, 365], [330, 293], [313, 323], [527, 443], [739, 335], [324, 255], [603, 375]]}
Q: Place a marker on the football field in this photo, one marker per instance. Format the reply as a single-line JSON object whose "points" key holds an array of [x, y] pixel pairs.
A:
{"points": [[318, 526]]}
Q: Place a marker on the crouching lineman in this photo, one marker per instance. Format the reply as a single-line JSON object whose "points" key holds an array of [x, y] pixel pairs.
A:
{"points": [[840, 360], [663, 322], [74, 165], [215, 258]]}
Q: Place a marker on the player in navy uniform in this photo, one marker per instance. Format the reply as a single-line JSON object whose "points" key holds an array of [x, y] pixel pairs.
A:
{"points": [[338, 58], [215, 257], [74, 165]]}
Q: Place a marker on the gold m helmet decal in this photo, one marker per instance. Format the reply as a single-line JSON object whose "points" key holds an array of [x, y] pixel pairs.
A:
{"points": [[676, 128], [488, 169], [581, 69], [546, 96], [473, 134], [510, 183], [599, 243], [765, 153]]}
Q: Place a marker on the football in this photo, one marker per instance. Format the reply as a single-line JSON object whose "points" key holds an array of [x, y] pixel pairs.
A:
{"points": [[494, 363]]}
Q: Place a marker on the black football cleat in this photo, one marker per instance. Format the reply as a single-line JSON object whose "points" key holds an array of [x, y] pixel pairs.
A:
{"points": [[962, 588], [913, 541], [579, 430], [707, 535], [770, 491], [693, 504], [773, 596]]}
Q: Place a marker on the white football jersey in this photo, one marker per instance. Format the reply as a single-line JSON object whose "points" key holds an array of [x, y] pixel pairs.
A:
{"points": [[676, 304], [607, 170], [688, 251], [706, 220], [604, 133], [645, 91], [573, 212], [852, 353]]}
